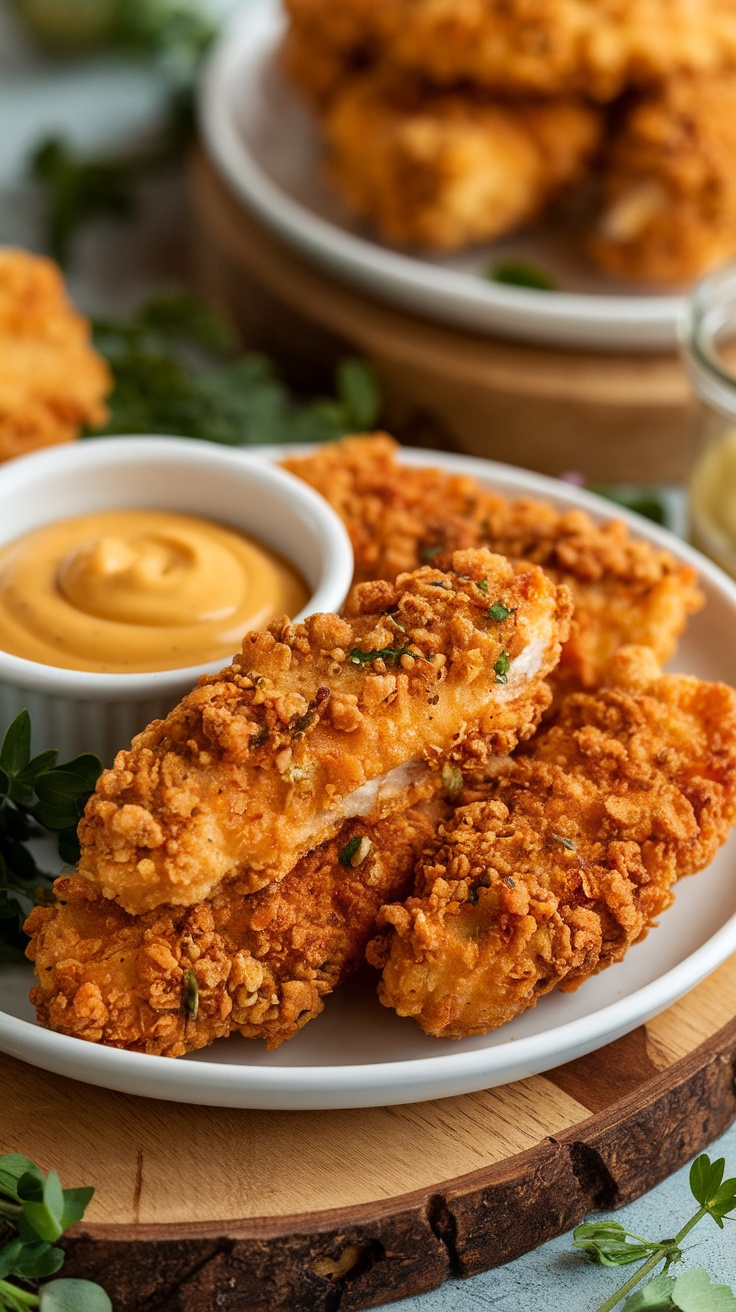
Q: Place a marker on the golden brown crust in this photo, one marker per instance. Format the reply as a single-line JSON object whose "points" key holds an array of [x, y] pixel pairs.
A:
{"points": [[625, 591], [552, 870], [546, 47], [263, 964], [263, 761], [51, 380], [669, 184], [446, 169]]}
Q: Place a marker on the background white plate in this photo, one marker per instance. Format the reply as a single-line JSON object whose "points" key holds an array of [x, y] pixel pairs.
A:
{"points": [[357, 1053], [267, 146]]}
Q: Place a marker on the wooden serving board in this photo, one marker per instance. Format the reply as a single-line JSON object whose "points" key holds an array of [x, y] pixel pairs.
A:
{"points": [[614, 416], [216, 1210]]}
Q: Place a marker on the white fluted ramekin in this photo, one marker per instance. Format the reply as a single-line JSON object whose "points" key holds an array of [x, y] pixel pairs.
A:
{"points": [[76, 711]]}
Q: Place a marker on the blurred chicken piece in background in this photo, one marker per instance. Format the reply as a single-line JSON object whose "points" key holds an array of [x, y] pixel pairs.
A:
{"points": [[52, 382]]}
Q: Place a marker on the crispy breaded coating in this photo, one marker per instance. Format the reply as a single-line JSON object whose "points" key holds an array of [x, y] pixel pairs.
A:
{"points": [[52, 382], [624, 591], [175, 979], [562, 862], [316, 722], [597, 48], [669, 209], [446, 169]]}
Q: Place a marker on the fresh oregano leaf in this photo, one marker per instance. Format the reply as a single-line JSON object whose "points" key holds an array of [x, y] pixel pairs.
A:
{"points": [[16, 749]]}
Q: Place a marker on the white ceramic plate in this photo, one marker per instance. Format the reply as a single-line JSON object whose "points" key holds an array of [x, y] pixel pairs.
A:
{"points": [[268, 148], [357, 1053]]}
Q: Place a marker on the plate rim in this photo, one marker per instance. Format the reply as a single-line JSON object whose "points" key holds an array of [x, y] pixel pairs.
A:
{"points": [[419, 1079], [646, 323]]}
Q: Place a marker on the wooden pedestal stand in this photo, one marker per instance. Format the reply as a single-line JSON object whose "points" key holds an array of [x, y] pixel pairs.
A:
{"points": [[616, 417], [210, 1210]]}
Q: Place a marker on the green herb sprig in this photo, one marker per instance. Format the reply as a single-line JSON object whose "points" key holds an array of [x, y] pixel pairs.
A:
{"points": [[498, 612], [36, 794], [609, 1244], [34, 1212], [502, 667], [177, 370], [173, 35], [517, 273], [390, 654]]}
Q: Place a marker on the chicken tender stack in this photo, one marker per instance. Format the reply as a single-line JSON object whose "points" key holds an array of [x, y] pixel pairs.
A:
{"points": [[550, 871], [450, 122], [234, 859], [51, 380]]}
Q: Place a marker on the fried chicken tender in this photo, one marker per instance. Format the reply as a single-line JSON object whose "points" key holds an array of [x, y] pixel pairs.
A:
{"points": [[51, 380], [317, 722], [557, 866], [624, 591], [597, 48], [445, 169], [669, 210], [259, 964]]}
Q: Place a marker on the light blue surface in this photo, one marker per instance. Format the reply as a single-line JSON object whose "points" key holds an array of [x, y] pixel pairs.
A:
{"points": [[98, 103], [556, 1278]]}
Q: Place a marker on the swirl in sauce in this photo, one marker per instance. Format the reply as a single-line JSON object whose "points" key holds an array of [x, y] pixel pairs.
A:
{"points": [[130, 591]]}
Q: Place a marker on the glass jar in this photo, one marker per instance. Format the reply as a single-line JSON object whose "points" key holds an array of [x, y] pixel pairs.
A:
{"points": [[709, 341]]}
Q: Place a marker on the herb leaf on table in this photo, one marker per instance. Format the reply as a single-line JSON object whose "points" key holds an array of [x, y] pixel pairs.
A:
{"points": [[36, 794], [34, 1212], [177, 370], [607, 1243]]}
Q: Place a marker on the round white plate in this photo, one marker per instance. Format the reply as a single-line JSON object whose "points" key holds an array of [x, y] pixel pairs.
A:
{"points": [[357, 1053], [267, 146]]}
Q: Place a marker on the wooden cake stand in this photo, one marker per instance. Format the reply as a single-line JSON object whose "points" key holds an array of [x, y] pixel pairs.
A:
{"points": [[214, 1210], [615, 417]]}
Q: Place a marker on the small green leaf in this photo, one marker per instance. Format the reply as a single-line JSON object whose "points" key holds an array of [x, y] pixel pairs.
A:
{"points": [[502, 667], [73, 1296], [357, 389], [517, 273], [347, 853], [75, 1205], [358, 657], [16, 749], [498, 612], [41, 1218], [694, 1291], [607, 1243], [656, 1296], [705, 1178], [87, 768], [35, 1261], [190, 989], [13, 1166]]}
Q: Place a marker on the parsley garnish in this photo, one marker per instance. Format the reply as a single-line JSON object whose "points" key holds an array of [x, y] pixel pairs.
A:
{"points": [[517, 273], [35, 794], [502, 667], [499, 612], [482, 584], [358, 657], [190, 990], [34, 1212], [608, 1244], [347, 853]]}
